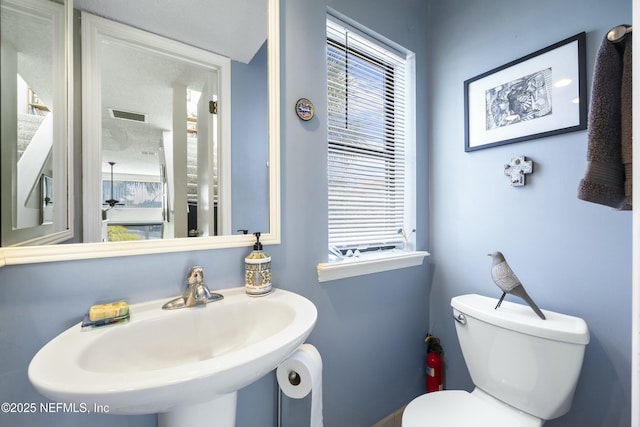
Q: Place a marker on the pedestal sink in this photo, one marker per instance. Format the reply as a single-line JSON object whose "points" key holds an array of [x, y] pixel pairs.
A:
{"points": [[186, 365]]}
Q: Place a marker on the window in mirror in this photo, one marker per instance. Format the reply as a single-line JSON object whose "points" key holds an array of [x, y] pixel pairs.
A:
{"points": [[125, 232]]}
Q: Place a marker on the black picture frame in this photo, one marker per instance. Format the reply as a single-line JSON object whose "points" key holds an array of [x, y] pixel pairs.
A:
{"points": [[539, 95]]}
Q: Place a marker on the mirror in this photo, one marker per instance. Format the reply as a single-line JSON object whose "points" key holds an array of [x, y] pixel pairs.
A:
{"points": [[90, 250], [33, 83], [157, 117]]}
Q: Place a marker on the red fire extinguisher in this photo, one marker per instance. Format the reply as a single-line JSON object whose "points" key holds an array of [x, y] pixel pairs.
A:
{"points": [[434, 364]]}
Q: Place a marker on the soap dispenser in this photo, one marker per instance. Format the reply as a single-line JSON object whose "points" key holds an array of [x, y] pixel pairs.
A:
{"points": [[257, 270]]}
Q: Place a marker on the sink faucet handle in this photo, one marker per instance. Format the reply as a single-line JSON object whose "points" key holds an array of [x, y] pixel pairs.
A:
{"points": [[196, 275]]}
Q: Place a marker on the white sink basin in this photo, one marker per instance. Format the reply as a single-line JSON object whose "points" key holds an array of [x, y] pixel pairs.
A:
{"points": [[166, 361]]}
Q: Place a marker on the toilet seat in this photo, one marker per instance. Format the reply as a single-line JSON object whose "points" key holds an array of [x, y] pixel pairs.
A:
{"points": [[459, 408]]}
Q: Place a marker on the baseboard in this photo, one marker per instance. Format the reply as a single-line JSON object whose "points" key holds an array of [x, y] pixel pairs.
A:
{"points": [[391, 420]]}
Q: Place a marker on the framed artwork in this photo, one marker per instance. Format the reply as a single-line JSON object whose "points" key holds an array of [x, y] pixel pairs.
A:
{"points": [[541, 94]]}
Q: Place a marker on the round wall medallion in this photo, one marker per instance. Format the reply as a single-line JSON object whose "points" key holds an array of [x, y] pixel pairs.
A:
{"points": [[304, 109]]}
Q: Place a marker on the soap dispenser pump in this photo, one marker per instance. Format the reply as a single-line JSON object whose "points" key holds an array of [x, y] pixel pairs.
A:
{"points": [[257, 270]]}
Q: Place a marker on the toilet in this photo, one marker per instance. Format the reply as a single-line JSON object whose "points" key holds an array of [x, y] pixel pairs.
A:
{"points": [[525, 369]]}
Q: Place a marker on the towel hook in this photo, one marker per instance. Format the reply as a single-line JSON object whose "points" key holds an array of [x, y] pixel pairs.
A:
{"points": [[618, 33]]}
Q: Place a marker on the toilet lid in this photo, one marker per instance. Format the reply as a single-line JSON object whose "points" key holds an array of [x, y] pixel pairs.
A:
{"points": [[458, 408]]}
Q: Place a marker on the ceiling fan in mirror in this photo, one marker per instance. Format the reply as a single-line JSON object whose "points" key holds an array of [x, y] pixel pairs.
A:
{"points": [[111, 202]]}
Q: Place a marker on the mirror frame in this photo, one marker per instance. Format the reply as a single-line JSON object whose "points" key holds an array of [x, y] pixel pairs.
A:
{"points": [[77, 251], [47, 234]]}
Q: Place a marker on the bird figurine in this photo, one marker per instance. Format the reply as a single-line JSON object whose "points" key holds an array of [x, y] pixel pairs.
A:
{"points": [[506, 279]]}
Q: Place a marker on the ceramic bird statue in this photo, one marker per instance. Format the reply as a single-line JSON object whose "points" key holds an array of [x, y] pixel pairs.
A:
{"points": [[507, 280]]}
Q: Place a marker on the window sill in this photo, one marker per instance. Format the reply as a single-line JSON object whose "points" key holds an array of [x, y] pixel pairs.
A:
{"points": [[368, 264]]}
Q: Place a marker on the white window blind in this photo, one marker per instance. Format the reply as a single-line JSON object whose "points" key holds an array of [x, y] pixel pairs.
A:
{"points": [[367, 132]]}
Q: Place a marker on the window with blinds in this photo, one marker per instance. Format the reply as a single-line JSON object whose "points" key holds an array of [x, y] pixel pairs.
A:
{"points": [[367, 136]]}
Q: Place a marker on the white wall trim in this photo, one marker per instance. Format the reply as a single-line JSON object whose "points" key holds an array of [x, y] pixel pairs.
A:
{"points": [[351, 267]]}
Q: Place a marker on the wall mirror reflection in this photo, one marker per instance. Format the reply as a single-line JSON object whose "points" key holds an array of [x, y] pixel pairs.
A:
{"points": [[167, 141], [180, 132], [33, 123]]}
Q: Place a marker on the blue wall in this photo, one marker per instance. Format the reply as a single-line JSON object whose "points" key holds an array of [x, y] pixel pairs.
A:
{"points": [[572, 256], [249, 144], [370, 329]]}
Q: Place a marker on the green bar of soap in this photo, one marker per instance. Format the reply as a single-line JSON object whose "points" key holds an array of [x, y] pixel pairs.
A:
{"points": [[108, 311]]}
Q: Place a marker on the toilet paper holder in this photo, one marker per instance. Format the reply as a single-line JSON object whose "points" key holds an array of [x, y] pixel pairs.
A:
{"points": [[299, 376], [294, 378]]}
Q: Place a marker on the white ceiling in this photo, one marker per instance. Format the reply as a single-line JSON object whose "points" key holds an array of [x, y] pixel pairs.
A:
{"points": [[26, 33], [140, 81], [233, 28]]}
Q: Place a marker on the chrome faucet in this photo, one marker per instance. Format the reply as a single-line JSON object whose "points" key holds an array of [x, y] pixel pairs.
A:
{"points": [[196, 294]]}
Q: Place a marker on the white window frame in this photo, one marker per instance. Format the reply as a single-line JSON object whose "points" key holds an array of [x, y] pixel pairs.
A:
{"points": [[399, 252]]}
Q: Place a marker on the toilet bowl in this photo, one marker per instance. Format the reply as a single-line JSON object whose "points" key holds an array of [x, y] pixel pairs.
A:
{"points": [[525, 369], [459, 408]]}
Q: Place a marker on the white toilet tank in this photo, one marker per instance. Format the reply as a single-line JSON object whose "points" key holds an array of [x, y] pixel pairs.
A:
{"points": [[518, 358]]}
